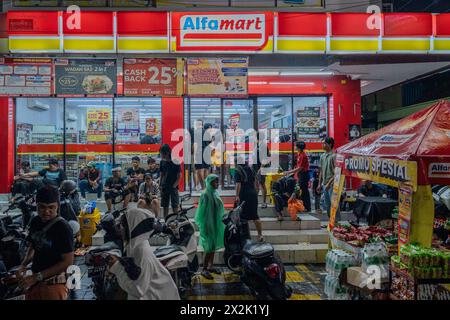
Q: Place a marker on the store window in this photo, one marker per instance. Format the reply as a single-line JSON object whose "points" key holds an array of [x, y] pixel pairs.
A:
{"points": [[88, 135], [39, 131], [311, 122], [275, 113], [137, 129]]}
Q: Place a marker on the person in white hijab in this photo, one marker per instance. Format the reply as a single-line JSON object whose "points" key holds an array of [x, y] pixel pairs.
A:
{"points": [[154, 281]]}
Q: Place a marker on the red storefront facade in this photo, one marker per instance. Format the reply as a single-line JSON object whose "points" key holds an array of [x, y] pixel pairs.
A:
{"points": [[153, 34]]}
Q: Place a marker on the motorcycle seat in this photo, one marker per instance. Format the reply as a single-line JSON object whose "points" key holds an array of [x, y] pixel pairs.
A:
{"points": [[258, 249], [105, 247], [166, 250]]}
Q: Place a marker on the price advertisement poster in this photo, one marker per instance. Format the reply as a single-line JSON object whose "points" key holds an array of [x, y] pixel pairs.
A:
{"points": [[151, 126], [153, 77], [308, 122], [26, 77], [99, 125], [127, 125], [217, 77], [86, 77], [405, 196], [338, 186], [403, 231]]}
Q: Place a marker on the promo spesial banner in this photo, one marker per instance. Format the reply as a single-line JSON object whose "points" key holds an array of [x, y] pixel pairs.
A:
{"points": [[391, 172]]}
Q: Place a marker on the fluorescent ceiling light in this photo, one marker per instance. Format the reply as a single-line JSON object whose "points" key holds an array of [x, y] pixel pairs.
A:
{"points": [[263, 73], [305, 73], [293, 83]]}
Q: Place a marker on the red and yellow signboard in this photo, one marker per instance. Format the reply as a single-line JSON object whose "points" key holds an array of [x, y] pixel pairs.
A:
{"points": [[222, 31], [153, 77]]}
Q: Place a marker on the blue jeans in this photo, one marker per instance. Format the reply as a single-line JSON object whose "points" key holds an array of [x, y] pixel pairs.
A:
{"points": [[327, 195], [85, 186]]}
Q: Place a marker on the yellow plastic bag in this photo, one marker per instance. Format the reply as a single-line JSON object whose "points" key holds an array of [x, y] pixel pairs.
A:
{"points": [[295, 206]]}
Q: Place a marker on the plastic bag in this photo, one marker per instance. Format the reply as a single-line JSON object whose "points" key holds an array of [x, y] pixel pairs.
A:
{"points": [[295, 206]]}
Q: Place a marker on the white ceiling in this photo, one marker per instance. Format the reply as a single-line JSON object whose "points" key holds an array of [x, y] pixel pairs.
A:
{"points": [[375, 77]]}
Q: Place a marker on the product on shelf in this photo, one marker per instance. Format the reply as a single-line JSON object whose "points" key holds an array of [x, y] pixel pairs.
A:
{"points": [[425, 263], [376, 254], [360, 236]]}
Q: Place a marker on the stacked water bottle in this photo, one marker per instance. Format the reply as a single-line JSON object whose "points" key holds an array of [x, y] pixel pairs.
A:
{"points": [[336, 261]]}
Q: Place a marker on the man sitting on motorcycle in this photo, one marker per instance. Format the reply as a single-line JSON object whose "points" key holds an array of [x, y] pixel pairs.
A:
{"points": [[113, 186], [50, 251], [154, 281]]}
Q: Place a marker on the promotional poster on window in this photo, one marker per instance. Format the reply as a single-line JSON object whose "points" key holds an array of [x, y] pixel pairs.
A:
{"points": [[217, 77], [127, 125], [99, 125], [153, 77], [25, 77], [85, 77]]}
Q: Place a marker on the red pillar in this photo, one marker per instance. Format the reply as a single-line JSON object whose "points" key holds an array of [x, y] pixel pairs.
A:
{"points": [[173, 119], [7, 144]]}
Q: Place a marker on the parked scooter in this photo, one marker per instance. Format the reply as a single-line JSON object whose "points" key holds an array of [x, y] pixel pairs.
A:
{"points": [[14, 230], [9, 285], [179, 256], [261, 271], [105, 286]]}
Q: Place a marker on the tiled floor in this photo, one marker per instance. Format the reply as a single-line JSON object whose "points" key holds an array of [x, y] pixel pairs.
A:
{"points": [[305, 280]]}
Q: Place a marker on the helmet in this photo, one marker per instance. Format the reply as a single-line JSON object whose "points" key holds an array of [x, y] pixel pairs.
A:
{"points": [[68, 187]]}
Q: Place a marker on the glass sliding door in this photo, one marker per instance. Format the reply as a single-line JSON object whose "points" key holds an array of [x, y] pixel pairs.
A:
{"points": [[203, 112], [275, 116]]}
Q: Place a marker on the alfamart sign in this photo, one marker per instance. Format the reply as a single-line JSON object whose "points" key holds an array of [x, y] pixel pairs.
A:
{"points": [[386, 171], [222, 31]]}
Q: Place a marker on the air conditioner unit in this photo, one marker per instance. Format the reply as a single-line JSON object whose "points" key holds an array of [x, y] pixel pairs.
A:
{"points": [[39, 106], [72, 117]]}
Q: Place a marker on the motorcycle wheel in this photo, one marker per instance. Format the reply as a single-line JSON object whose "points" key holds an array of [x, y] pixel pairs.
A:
{"points": [[234, 262]]}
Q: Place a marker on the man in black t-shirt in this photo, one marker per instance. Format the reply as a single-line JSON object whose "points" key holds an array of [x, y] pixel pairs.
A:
{"points": [[113, 186], [135, 177], [282, 190], [153, 169], [92, 182], [51, 250], [170, 178]]}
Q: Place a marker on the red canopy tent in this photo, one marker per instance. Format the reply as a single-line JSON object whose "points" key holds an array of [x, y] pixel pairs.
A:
{"points": [[423, 137], [414, 152]]}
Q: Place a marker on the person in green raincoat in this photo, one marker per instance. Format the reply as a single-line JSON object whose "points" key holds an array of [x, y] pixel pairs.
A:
{"points": [[209, 220]]}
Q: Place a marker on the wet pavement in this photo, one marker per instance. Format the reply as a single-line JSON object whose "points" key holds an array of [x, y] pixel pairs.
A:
{"points": [[306, 280]]}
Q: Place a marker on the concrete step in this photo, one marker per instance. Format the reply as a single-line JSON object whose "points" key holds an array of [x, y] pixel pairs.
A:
{"points": [[305, 222], [288, 253], [270, 236]]}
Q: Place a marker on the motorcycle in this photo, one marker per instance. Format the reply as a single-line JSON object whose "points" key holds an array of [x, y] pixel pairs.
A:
{"points": [[105, 286], [259, 269], [9, 285], [14, 230], [179, 256]]}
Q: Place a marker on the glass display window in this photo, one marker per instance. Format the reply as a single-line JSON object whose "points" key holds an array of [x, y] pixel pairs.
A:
{"points": [[39, 131], [137, 129], [88, 135]]}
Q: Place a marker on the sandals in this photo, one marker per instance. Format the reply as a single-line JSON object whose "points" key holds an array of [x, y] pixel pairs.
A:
{"points": [[214, 270], [261, 238], [280, 218], [207, 275], [264, 206]]}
